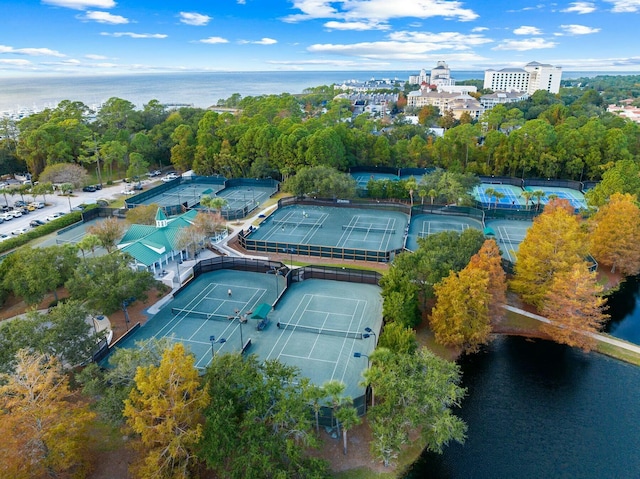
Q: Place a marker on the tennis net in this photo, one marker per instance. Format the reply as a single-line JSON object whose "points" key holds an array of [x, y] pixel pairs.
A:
{"points": [[369, 229], [200, 314], [295, 223], [330, 332]]}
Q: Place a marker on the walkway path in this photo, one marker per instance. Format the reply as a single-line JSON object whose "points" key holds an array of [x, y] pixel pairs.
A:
{"points": [[599, 337]]}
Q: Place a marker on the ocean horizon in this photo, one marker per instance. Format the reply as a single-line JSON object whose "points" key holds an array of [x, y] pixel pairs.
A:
{"points": [[200, 90]]}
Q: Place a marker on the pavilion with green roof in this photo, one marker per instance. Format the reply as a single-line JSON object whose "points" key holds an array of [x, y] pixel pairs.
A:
{"points": [[152, 247]]}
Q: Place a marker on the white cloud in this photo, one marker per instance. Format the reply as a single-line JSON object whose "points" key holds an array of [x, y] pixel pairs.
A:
{"points": [[524, 45], [92, 56], [103, 17], [479, 29], [579, 29], [44, 52], [264, 41], [195, 19], [379, 11], [81, 4], [359, 26], [133, 35], [213, 40], [242, 2], [580, 8], [443, 40], [625, 6], [526, 30], [19, 62]]}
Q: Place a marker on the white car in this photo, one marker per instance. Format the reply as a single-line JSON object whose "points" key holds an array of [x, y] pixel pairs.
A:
{"points": [[127, 192], [170, 176], [4, 237], [19, 231], [54, 216], [37, 204], [16, 213], [7, 216]]}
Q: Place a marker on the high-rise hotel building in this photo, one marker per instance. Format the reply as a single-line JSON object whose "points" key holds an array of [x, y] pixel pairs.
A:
{"points": [[533, 77]]}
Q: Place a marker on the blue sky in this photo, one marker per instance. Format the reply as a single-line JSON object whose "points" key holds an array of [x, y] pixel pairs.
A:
{"points": [[88, 37]]}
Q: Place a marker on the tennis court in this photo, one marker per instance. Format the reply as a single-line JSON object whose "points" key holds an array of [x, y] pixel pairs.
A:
{"points": [[576, 198], [239, 197], [509, 234], [424, 225], [354, 228], [186, 193], [320, 323], [74, 234], [511, 195], [363, 178]]}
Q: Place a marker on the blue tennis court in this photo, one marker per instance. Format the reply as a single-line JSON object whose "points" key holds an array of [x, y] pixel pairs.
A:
{"points": [[511, 195], [576, 198]]}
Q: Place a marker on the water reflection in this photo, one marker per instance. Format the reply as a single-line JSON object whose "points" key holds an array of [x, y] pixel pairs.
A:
{"points": [[624, 308], [536, 409]]}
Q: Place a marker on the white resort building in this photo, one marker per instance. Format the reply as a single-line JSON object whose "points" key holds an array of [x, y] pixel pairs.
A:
{"points": [[533, 77]]}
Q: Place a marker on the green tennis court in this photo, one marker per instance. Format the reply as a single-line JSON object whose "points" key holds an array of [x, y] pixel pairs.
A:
{"points": [[509, 234], [314, 315], [239, 197], [186, 193], [356, 228], [74, 234], [426, 225], [363, 178]]}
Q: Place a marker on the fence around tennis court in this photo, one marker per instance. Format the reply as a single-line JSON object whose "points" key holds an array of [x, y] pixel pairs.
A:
{"points": [[321, 251], [219, 181]]}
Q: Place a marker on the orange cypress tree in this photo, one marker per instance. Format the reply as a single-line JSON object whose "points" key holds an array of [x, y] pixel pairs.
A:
{"points": [[43, 425], [488, 259], [553, 244], [460, 317], [615, 234], [574, 306]]}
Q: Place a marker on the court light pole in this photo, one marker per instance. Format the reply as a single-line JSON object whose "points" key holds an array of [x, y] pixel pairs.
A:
{"points": [[214, 341], [360, 355], [368, 333]]}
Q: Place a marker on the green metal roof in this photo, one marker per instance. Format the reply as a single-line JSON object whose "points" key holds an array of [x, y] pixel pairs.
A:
{"points": [[261, 311]]}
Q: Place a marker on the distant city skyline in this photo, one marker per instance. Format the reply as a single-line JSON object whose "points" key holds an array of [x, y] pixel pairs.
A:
{"points": [[97, 37]]}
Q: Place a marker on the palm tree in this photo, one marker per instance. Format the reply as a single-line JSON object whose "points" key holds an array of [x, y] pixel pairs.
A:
{"points": [[5, 192], [422, 193], [348, 417], [89, 242], [314, 396], [498, 196], [334, 390], [489, 193], [538, 195], [214, 202], [527, 195], [432, 194]]}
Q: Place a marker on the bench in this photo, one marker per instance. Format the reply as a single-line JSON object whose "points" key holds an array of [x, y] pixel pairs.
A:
{"points": [[246, 346]]}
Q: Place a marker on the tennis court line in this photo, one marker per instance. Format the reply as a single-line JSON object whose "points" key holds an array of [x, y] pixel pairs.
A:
{"points": [[177, 319], [308, 358], [353, 343]]}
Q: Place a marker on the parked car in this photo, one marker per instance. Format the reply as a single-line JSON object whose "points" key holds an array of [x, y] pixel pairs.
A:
{"points": [[89, 189], [19, 203], [54, 216], [8, 216], [127, 192], [36, 223], [16, 213], [138, 187], [155, 173], [170, 176], [37, 204], [19, 231], [4, 237]]}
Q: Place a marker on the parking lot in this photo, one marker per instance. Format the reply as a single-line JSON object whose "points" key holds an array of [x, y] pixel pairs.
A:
{"points": [[54, 204]]}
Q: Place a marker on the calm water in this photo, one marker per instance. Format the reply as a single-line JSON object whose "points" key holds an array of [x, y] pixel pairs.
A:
{"points": [[199, 89], [536, 409], [541, 410]]}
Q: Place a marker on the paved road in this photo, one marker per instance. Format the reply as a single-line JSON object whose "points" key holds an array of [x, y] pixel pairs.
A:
{"points": [[56, 204], [600, 337]]}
